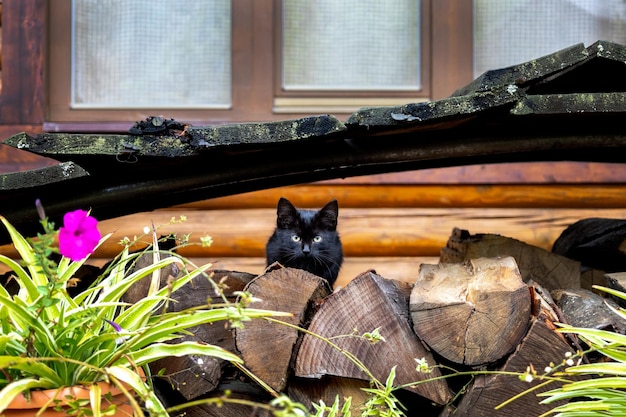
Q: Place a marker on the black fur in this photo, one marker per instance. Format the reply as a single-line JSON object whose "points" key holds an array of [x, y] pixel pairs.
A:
{"points": [[307, 239]]}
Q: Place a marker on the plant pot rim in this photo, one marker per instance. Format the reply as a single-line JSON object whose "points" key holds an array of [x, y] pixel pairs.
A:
{"points": [[61, 395]]}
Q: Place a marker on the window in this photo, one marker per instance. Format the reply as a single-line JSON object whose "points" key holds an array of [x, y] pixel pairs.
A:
{"points": [[513, 32], [334, 52], [248, 60], [258, 60], [147, 54]]}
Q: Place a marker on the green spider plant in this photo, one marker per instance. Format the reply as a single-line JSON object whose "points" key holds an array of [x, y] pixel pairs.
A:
{"points": [[49, 339], [603, 391]]}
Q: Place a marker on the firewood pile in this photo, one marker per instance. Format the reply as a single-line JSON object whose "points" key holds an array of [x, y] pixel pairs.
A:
{"points": [[491, 303]]}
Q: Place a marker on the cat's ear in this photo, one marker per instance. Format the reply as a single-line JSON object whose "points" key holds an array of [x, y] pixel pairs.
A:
{"points": [[287, 214], [327, 216]]}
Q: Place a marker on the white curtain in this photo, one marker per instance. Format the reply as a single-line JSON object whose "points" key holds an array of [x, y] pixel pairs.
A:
{"points": [[510, 32], [351, 45], [151, 54]]}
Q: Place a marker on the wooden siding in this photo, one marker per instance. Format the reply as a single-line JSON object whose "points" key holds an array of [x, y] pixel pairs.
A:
{"points": [[393, 235]]}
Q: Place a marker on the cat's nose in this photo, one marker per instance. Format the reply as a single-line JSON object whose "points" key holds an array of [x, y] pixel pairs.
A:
{"points": [[306, 248]]}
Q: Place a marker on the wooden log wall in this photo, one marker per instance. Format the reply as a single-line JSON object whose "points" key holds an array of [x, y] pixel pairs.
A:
{"points": [[390, 223], [388, 228]]}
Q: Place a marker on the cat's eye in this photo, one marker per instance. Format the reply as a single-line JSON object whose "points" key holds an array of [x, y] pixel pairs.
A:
{"points": [[295, 238], [317, 239]]}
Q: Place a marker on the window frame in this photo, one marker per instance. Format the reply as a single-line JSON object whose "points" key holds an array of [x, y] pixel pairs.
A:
{"points": [[256, 49], [23, 23], [345, 101]]}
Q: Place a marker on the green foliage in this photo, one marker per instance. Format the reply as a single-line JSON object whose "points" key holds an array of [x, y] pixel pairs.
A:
{"points": [[49, 339], [602, 389], [382, 401]]}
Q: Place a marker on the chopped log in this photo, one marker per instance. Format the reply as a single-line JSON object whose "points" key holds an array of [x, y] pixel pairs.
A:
{"points": [[194, 376], [308, 391], [541, 346], [445, 189], [617, 281], [236, 390], [472, 313], [596, 243], [266, 347], [591, 277], [583, 308], [225, 410], [550, 270], [368, 302]]}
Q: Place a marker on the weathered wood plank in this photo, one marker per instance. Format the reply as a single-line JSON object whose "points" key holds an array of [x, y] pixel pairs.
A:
{"points": [[110, 191], [429, 195], [364, 232], [41, 176]]}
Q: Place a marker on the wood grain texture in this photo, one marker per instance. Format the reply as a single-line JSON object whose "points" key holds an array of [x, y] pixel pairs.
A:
{"points": [[368, 303], [540, 347], [390, 241], [364, 232], [352, 195], [267, 347], [472, 313]]}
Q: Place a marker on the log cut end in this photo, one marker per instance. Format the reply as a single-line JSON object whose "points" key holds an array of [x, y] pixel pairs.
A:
{"points": [[367, 303], [472, 313], [267, 347]]}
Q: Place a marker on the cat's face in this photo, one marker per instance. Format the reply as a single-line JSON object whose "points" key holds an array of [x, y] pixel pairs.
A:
{"points": [[307, 239]]}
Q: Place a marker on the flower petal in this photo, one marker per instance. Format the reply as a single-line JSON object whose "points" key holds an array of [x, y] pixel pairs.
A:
{"points": [[79, 235]]}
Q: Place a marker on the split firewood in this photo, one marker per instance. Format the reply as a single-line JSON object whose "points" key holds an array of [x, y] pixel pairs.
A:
{"points": [[225, 410], [367, 303], [308, 391], [596, 243], [550, 270], [235, 390], [591, 277], [194, 376], [616, 281], [266, 347], [473, 313], [539, 348], [327, 389], [583, 308]]}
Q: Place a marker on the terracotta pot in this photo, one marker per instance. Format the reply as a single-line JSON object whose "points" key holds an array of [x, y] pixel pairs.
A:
{"points": [[22, 407]]}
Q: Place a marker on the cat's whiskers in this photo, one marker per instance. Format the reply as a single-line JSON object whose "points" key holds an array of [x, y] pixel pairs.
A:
{"points": [[307, 239]]}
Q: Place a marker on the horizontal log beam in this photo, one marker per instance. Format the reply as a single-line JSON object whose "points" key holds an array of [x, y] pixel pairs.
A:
{"points": [[429, 195], [364, 232], [131, 174]]}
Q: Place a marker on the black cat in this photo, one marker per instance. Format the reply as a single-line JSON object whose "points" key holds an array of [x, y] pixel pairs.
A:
{"points": [[307, 239]]}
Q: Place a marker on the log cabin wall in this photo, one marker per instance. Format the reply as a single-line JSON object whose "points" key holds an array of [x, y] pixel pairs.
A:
{"points": [[390, 223], [393, 228]]}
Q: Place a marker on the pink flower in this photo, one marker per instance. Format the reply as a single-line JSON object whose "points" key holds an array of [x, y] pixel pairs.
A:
{"points": [[79, 235]]}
